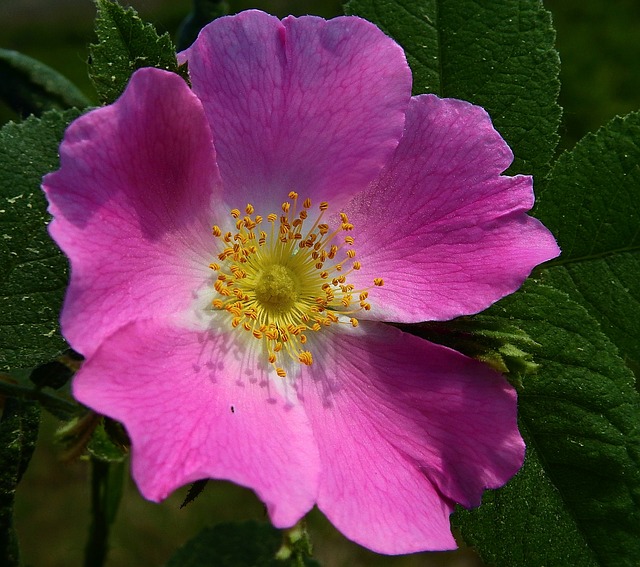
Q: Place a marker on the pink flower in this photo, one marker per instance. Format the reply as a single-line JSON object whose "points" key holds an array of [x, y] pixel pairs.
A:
{"points": [[236, 248]]}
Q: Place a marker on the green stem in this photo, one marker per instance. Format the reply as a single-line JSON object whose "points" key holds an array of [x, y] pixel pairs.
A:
{"points": [[53, 403], [106, 491]]}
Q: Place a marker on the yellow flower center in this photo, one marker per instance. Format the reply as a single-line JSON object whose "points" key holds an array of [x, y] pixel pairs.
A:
{"points": [[277, 289], [280, 284]]}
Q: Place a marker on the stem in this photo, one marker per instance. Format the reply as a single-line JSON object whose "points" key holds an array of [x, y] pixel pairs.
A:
{"points": [[55, 404], [106, 490]]}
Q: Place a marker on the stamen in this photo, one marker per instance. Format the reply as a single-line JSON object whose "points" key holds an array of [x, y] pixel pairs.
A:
{"points": [[279, 284]]}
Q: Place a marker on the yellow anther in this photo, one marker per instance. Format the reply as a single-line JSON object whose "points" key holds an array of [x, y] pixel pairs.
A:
{"points": [[349, 240], [324, 206], [356, 265], [277, 347], [218, 304], [306, 358], [307, 203], [364, 295], [281, 372], [378, 281], [214, 266], [344, 218], [249, 209], [235, 213], [286, 206], [293, 195], [271, 334], [354, 322], [235, 322], [351, 253], [272, 217], [272, 357], [216, 230]]}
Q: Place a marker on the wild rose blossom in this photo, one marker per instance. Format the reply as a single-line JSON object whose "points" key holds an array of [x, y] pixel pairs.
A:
{"points": [[236, 248]]}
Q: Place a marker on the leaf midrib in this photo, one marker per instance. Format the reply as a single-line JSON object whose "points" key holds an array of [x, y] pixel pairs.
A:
{"points": [[590, 257]]}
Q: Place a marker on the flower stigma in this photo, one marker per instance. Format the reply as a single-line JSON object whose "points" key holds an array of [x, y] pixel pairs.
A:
{"points": [[280, 282]]}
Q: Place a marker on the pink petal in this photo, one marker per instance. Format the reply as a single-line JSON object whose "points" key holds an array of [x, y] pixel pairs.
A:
{"points": [[197, 406], [448, 234], [304, 104], [131, 206], [405, 429]]}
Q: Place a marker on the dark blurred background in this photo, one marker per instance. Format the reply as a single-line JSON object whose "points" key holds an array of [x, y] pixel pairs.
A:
{"points": [[599, 44]]}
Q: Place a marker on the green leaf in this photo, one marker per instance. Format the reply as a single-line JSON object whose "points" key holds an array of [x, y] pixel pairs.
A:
{"points": [[103, 448], [125, 43], [506, 349], [528, 505], [18, 433], [591, 202], [195, 490], [31, 87], [246, 544], [498, 55], [580, 412], [32, 269]]}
